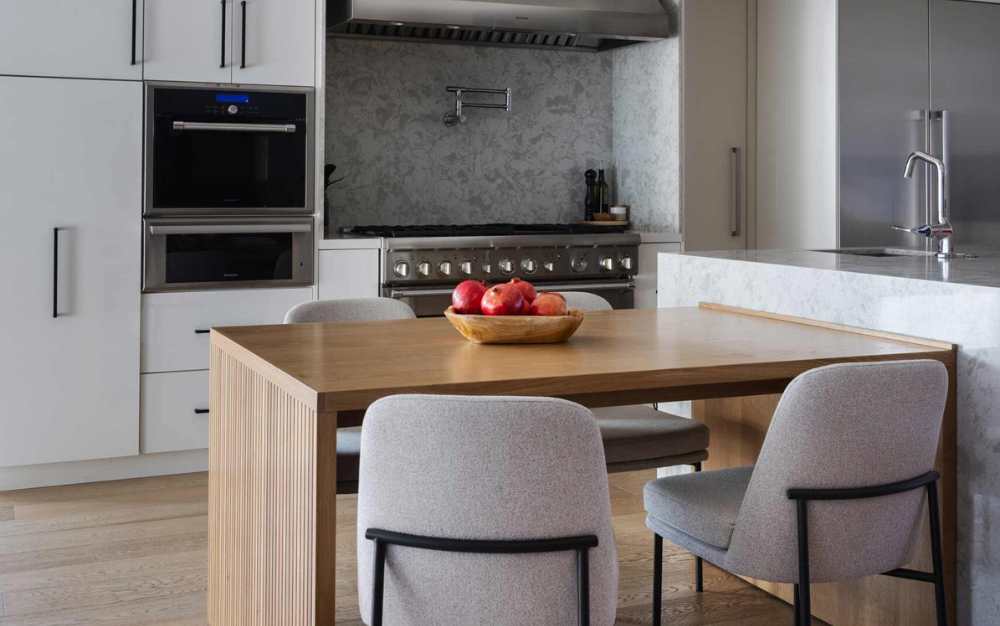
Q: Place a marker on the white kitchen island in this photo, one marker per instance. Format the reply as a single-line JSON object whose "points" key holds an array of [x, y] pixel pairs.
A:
{"points": [[957, 302]]}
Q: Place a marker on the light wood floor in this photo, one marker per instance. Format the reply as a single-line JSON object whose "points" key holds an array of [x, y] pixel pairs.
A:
{"points": [[135, 552]]}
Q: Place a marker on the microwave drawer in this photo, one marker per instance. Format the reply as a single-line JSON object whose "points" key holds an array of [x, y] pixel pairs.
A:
{"points": [[173, 412], [175, 325]]}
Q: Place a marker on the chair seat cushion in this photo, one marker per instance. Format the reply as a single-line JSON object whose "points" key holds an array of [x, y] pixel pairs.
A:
{"points": [[703, 505], [638, 433], [348, 453]]}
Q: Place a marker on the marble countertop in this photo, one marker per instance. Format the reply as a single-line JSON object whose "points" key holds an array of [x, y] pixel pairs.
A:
{"points": [[982, 271]]}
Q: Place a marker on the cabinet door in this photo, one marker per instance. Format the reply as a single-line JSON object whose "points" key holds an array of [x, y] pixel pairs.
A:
{"points": [[714, 40], [189, 40], [69, 348], [348, 274], [274, 42], [71, 38]]}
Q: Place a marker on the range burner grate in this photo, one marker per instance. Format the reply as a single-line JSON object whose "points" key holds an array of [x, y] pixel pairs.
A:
{"points": [[481, 230]]}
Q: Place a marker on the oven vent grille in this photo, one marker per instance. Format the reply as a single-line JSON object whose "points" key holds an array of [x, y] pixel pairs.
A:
{"points": [[473, 36]]}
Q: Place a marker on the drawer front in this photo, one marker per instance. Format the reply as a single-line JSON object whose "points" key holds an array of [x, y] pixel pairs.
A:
{"points": [[173, 413], [174, 324]]}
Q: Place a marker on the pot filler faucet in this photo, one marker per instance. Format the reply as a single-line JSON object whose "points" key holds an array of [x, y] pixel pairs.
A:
{"points": [[942, 231]]}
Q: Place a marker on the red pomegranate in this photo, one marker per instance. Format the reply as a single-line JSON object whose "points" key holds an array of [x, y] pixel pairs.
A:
{"points": [[504, 300], [527, 290], [468, 297], [549, 305]]}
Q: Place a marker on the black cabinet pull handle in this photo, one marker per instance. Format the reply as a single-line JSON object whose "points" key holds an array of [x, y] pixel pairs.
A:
{"points": [[223, 44], [55, 273], [202, 331], [243, 40], [134, 17], [200, 411]]}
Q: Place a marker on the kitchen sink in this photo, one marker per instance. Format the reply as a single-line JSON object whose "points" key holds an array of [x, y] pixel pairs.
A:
{"points": [[880, 252]]}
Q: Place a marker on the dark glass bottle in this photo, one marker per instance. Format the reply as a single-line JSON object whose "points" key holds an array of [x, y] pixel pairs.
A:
{"points": [[590, 204], [603, 192]]}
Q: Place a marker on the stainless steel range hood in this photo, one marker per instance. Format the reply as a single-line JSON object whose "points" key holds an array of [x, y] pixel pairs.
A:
{"points": [[563, 24]]}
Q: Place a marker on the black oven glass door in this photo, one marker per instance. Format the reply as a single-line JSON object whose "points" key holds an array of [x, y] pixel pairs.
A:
{"points": [[231, 257], [206, 158], [210, 253]]}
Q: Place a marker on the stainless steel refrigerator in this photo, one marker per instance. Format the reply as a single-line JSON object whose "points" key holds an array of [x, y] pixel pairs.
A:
{"points": [[918, 75]]}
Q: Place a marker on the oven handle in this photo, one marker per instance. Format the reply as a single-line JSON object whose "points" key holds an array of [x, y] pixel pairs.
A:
{"points": [[397, 294], [230, 229], [236, 128]]}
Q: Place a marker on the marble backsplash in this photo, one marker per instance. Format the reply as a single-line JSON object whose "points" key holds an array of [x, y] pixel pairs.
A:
{"points": [[384, 110]]}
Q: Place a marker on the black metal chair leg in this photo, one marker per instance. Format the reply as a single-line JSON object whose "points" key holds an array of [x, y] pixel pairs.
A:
{"points": [[805, 610], [583, 585], [935, 513], [378, 583], [657, 578], [795, 604], [699, 574]]}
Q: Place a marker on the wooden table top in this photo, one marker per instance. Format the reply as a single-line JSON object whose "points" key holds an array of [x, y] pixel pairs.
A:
{"points": [[641, 355]]}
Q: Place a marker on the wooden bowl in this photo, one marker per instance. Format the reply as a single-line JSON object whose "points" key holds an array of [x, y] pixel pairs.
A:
{"points": [[499, 329]]}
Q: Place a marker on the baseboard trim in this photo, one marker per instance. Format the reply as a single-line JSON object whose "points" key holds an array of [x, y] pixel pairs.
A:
{"points": [[78, 472]]}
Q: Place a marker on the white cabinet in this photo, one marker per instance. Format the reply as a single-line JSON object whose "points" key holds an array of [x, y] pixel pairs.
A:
{"points": [[279, 47], [349, 274], [175, 325], [71, 38], [69, 350], [189, 40], [715, 49], [203, 41], [174, 412]]}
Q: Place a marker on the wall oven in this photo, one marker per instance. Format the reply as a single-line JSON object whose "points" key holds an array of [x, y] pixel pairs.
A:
{"points": [[228, 150], [187, 254]]}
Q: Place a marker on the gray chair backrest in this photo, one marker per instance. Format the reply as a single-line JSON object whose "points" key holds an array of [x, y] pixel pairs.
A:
{"points": [[583, 301], [484, 468], [840, 426], [349, 310]]}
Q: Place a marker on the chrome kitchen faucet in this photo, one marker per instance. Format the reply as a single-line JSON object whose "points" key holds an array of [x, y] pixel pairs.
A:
{"points": [[942, 231]]}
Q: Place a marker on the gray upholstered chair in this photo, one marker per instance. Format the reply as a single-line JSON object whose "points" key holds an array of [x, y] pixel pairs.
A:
{"points": [[838, 491], [640, 437], [349, 310], [480, 510]]}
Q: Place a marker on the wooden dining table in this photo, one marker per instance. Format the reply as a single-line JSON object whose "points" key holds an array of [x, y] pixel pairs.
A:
{"points": [[278, 394]]}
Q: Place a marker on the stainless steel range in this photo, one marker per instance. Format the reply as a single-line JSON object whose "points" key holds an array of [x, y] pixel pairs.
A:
{"points": [[422, 264]]}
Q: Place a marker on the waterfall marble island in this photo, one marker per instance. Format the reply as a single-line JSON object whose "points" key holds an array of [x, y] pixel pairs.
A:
{"points": [[905, 293]]}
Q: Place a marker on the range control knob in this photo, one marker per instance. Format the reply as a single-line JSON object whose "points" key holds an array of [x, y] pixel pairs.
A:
{"points": [[424, 269], [607, 264], [529, 265], [579, 264], [466, 268], [507, 267], [549, 266], [401, 269], [626, 263], [487, 269], [445, 268], [233, 109]]}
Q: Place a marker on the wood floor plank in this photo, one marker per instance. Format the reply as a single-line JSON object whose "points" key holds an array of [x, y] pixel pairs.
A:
{"points": [[111, 502], [105, 571], [6, 513], [105, 593], [45, 558], [132, 548], [159, 611], [102, 534], [146, 513]]}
